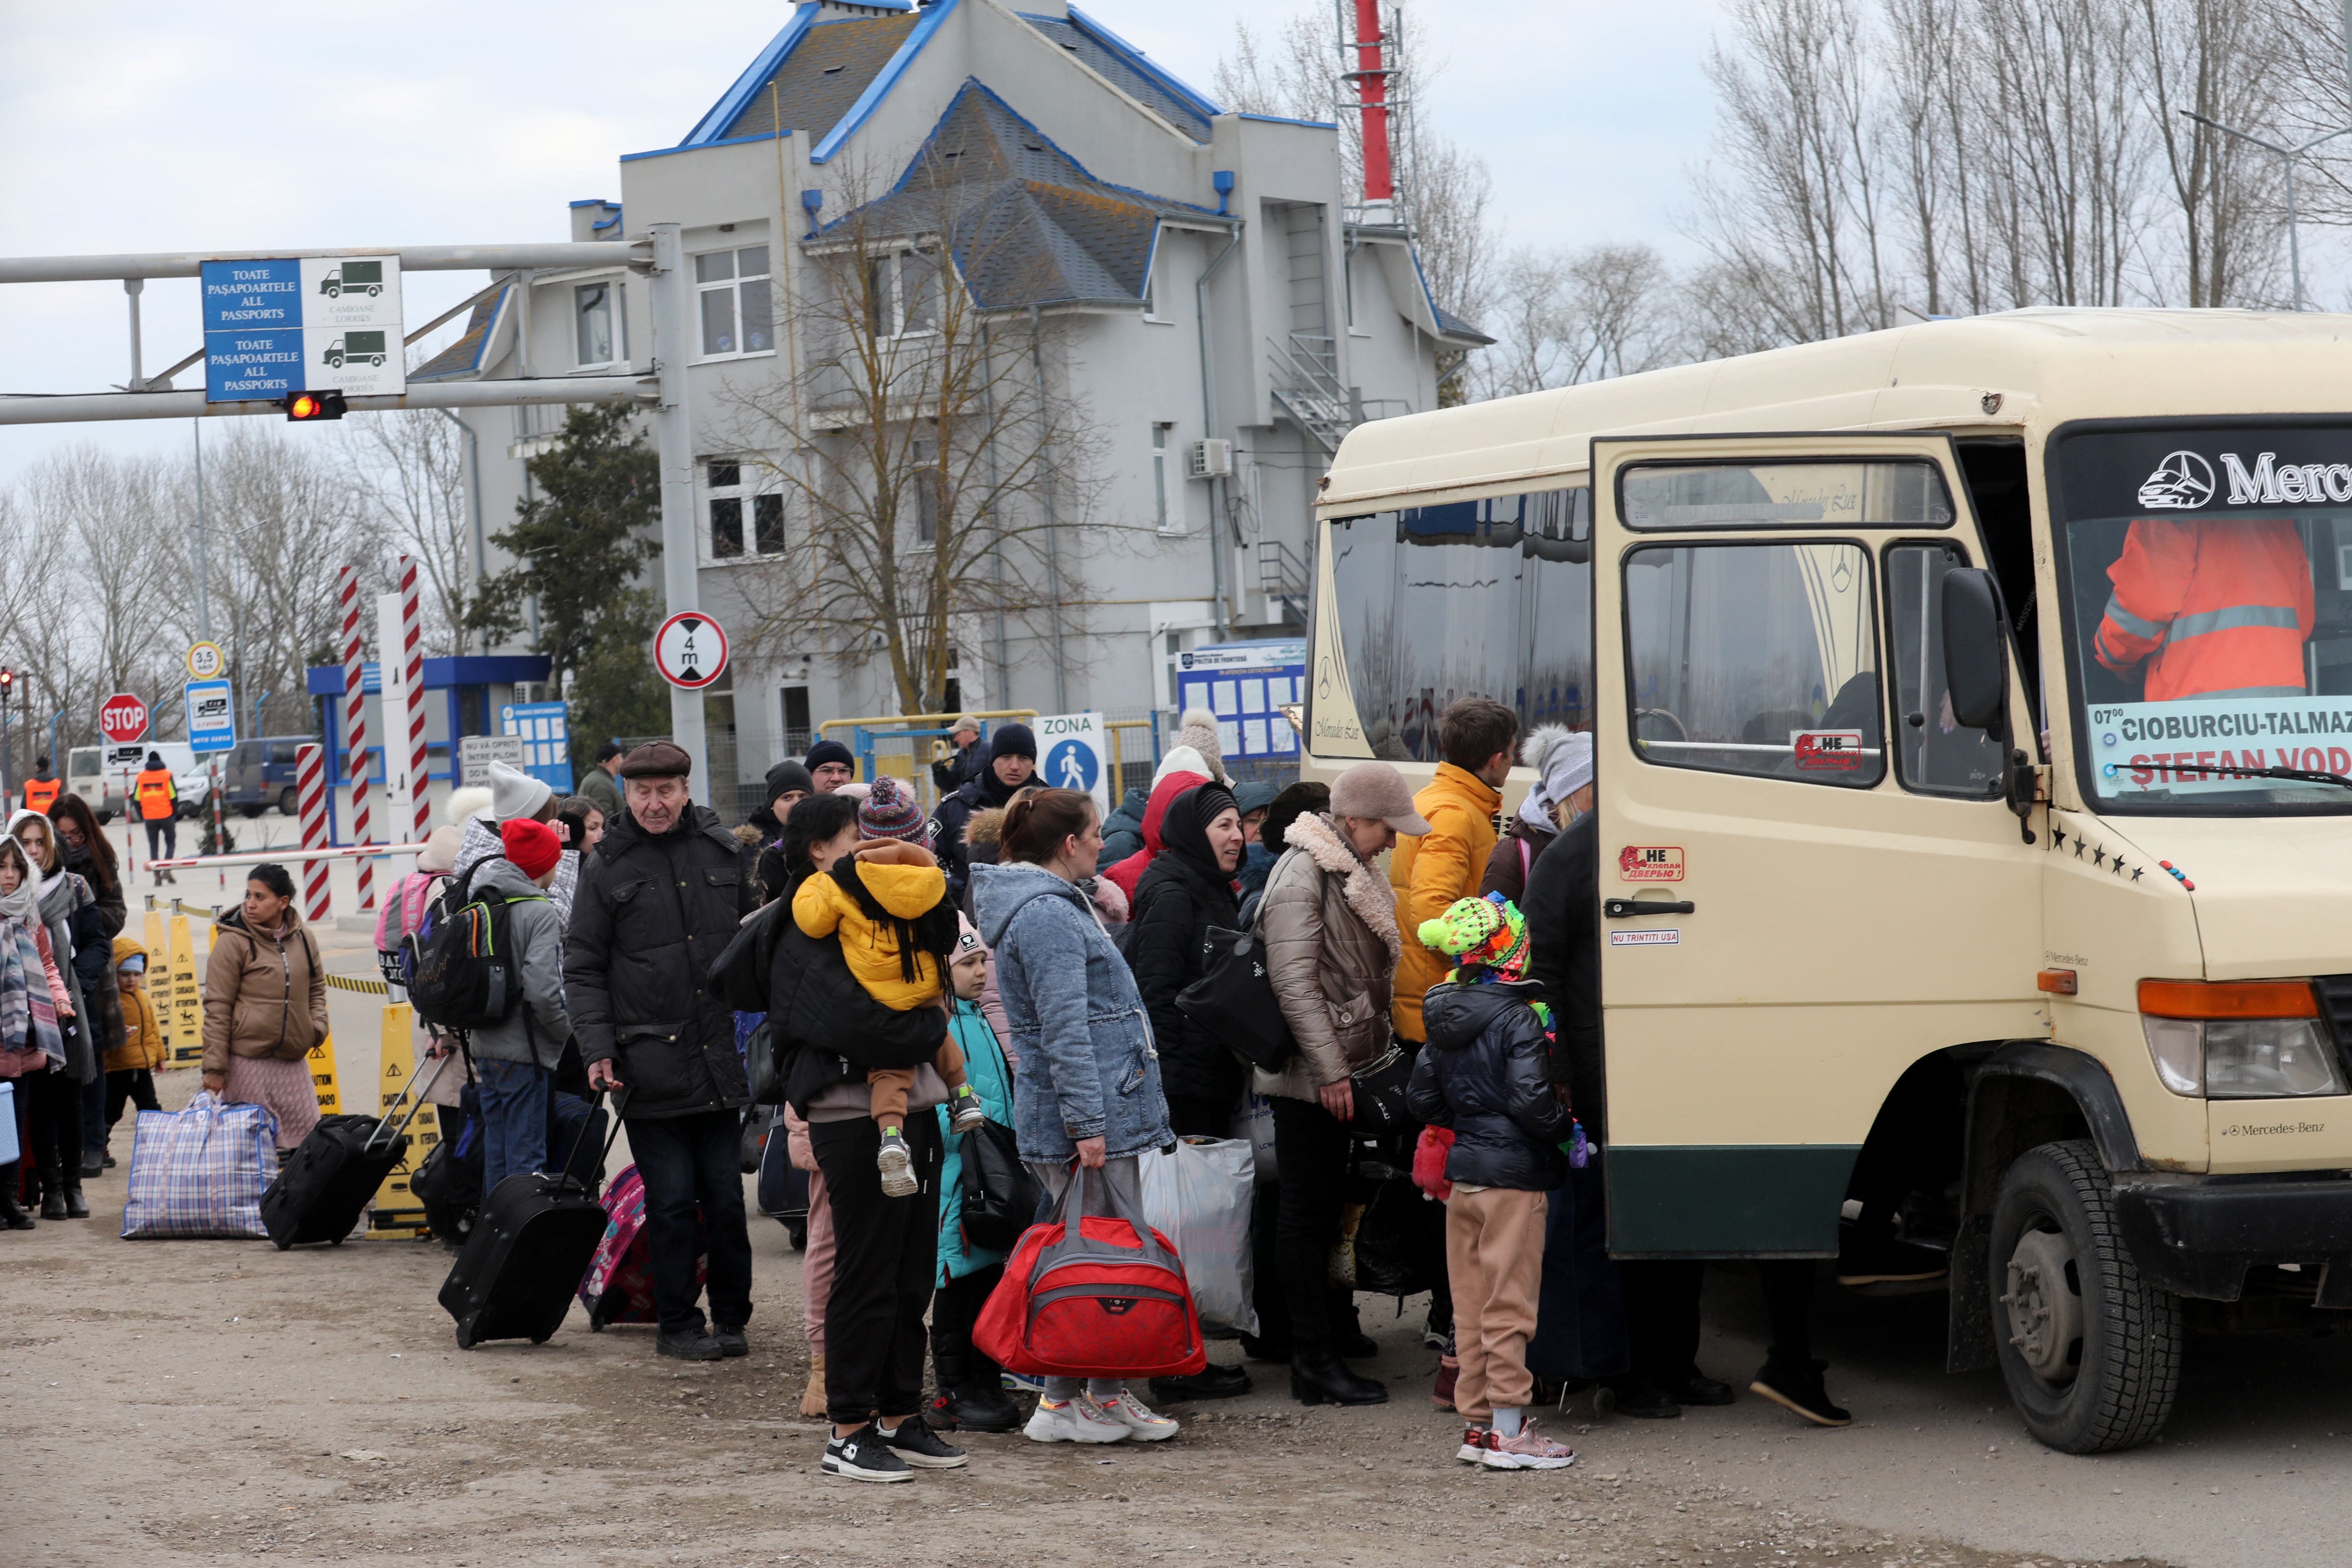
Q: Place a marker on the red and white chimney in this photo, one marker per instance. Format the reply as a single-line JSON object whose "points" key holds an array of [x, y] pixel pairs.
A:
{"points": [[1371, 74]]}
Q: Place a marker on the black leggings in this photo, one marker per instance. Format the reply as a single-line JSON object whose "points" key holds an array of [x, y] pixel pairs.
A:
{"points": [[136, 1086], [1310, 1155], [955, 1308], [53, 1122]]}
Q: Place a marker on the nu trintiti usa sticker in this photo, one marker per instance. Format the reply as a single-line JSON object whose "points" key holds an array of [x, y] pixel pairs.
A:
{"points": [[1668, 938]]}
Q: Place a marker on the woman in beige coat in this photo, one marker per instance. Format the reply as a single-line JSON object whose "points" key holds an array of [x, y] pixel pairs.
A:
{"points": [[265, 1006], [1329, 919]]}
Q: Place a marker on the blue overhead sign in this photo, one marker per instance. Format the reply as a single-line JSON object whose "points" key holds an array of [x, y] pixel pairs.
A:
{"points": [[212, 716], [312, 323]]}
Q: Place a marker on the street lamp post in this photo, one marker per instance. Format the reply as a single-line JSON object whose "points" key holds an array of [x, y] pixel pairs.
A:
{"points": [[2294, 238]]}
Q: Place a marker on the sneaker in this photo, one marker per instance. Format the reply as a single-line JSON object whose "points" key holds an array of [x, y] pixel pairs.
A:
{"points": [[916, 1442], [693, 1345], [1474, 1440], [864, 1456], [1078, 1420], [1143, 1424], [1528, 1451], [1437, 1339], [1020, 1381], [731, 1341], [896, 1164], [1798, 1386], [967, 1114]]}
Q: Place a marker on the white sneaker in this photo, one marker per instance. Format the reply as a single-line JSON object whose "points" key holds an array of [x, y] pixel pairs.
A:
{"points": [[1143, 1424], [1078, 1420]]}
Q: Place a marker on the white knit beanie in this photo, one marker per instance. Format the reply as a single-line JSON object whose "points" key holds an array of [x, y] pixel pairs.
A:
{"points": [[515, 793], [1198, 730]]}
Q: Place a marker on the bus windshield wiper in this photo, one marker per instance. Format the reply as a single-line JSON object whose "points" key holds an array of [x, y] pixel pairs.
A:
{"points": [[2295, 775]]}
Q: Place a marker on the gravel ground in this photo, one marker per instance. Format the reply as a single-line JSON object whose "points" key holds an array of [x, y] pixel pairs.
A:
{"points": [[191, 1403]]}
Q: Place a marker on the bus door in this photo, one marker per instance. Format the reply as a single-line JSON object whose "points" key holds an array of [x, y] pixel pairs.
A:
{"points": [[1809, 876]]}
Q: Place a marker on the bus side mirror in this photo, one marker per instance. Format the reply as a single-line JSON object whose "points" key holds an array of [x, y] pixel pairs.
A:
{"points": [[1975, 650]]}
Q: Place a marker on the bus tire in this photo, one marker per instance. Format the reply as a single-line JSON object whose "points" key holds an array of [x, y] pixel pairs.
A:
{"points": [[2090, 1351]]}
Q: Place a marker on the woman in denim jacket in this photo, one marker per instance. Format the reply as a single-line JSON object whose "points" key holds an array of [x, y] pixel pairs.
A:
{"points": [[1088, 1088]]}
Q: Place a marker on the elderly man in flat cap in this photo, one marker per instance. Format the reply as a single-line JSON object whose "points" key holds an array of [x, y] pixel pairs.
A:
{"points": [[656, 905]]}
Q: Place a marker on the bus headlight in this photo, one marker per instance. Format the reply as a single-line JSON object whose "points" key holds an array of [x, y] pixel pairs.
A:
{"points": [[2238, 1040]]}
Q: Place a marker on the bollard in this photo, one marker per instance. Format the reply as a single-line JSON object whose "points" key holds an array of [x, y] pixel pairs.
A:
{"points": [[310, 796], [187, 999], [322, 1075], [347, 589], [412, 689], [397, 1213]]}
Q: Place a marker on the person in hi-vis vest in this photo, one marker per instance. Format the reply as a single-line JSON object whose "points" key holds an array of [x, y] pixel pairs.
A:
{"points": [[42, 789], [158, 800], [2218, 607]]}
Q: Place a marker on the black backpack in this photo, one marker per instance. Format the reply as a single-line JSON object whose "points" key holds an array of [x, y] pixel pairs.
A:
{"points": [[458, 963]]}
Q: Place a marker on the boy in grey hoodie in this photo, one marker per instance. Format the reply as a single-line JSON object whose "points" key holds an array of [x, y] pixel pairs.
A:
{"points": [[517, 1056]]}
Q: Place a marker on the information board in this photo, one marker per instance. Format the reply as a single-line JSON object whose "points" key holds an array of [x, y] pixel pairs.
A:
{"points": [[1245, 685]]}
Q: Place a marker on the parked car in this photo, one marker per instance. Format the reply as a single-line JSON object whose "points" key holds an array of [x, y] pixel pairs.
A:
{"points": [[103, 775], [260, 774]]}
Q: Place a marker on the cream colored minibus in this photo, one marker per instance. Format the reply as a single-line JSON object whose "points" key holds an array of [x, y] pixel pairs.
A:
{"points": [[1973, 708]]}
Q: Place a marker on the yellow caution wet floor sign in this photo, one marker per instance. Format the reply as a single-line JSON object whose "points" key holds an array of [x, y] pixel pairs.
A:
{"points": [[322, 1075], [397, 1213], [183, 1012]]}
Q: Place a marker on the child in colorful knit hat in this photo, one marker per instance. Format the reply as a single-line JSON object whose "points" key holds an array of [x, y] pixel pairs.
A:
{"points": [[1483, 1073], [887, 904]]}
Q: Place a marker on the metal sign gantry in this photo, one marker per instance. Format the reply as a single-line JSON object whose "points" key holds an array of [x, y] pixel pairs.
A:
{"points": [[660, 255]]}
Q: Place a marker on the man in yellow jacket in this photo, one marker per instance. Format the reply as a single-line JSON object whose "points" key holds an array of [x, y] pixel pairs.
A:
{"points": [[1475, 737]]}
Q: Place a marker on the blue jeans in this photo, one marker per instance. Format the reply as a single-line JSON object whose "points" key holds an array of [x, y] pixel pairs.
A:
{"points": [[514, 1120]]}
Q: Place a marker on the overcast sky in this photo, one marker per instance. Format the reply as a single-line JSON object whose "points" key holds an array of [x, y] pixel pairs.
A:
{"points": [[236, 125]]}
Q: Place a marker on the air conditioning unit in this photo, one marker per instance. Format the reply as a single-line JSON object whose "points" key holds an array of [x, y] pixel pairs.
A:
{"points": [[1210, 459]]}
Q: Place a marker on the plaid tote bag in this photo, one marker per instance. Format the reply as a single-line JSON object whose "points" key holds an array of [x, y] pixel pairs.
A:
{"points": [[201, 1172]]}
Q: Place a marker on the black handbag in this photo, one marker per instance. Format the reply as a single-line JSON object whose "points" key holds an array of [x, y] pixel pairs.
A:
{"points": [[763, 1076], [1234, 999], [1000, 1195], [738, 975], [1378, 1089]]}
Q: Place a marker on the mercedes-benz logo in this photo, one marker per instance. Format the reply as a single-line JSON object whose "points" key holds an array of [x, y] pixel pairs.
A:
{"points": [[2182, 482]]}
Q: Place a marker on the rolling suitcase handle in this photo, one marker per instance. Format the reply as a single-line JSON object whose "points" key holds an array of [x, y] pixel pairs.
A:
{"points": [[620, 1104], [415, 1104]]}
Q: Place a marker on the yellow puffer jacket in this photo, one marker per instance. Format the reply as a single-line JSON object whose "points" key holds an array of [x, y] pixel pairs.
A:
{"points": [[1432, 872], [905, 879], [143, 1032]]}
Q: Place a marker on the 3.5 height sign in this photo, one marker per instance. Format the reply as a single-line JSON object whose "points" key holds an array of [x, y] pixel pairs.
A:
{"points": [[306, 323]]}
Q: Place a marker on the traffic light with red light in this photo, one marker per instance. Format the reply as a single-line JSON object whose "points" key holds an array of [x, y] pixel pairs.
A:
{"points": [[7, 682], [304, 406]]}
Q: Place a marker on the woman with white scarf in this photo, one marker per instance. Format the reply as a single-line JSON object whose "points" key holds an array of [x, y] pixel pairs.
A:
{"points": [[57, 895]]}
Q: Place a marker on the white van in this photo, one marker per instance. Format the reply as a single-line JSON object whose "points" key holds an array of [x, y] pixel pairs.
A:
{"points": [[1972, 708], [103, 775]]}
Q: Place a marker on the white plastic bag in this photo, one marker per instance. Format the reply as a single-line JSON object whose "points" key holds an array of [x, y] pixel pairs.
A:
{"points": [[1199, 1198], [1253, 1125]]}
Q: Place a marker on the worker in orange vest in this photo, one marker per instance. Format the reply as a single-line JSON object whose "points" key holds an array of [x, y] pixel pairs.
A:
{"points": [[41, 789], [2218, 607], [159, 805]]}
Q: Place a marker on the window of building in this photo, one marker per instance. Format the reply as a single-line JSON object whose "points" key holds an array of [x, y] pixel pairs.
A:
{"points": [[796, 720], [729, 491], [926, 482], [902, 295], [1168, 520], [733, 296], [599, 330]]}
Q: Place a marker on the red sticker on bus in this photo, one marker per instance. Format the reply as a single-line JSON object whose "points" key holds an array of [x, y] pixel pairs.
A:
{"points": [[1828, 750], [1650, 863]]}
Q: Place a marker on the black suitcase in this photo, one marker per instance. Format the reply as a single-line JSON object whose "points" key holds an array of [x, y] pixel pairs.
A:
{"points": [[330, 1177], [524, 1258]]}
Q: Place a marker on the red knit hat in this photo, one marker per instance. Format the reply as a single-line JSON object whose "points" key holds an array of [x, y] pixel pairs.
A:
{"points": [[531, 846]]}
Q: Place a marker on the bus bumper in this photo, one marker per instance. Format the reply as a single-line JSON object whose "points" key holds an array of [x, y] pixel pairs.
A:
{"points": [[2197, 1236]]}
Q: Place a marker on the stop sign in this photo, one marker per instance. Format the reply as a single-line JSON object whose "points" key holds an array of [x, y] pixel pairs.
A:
{"points": [[123, 719]]}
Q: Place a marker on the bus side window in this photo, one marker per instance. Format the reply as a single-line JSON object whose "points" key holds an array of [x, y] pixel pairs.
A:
{"points": [[1755, 658], [1934, 753]]}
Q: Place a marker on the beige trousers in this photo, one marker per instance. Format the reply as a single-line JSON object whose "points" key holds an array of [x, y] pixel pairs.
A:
{"points": [[1494, 1257]]}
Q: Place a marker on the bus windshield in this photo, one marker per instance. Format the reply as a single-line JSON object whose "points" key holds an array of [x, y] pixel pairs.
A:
{"points": [[2208, 578]]}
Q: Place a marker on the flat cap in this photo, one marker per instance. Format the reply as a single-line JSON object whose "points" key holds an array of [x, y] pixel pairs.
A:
{"points": [[655, 760]]}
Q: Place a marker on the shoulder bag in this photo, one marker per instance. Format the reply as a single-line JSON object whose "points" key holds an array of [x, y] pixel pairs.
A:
{"points": [[1234, 999]]}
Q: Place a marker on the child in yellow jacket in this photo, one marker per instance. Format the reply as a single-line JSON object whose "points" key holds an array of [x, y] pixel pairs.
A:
{"points": [[130, 1066], [889, 905]]}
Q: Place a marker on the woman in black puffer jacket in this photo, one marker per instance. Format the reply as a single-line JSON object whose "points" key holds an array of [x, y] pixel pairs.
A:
{"points": [[1182, 893]]}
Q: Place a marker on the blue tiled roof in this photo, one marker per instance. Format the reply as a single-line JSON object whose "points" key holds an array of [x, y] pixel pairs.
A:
{"points": [[1122, 63]]}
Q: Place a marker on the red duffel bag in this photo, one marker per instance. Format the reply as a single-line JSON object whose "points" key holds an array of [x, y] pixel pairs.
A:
{"points": [[1108, 1301]]}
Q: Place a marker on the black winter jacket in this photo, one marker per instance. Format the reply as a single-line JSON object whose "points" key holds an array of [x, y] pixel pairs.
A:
{"points": [[1482, 1074], [976, 795], [649, 916], [1563, 910], [1179, 897]]}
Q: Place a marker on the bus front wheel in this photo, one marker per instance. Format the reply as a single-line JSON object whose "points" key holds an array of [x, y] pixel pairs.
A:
{"points": [[2090, 1351]]}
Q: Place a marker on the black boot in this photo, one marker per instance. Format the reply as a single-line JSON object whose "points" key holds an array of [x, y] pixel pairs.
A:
{"points": [[12, 1212], [1318, 1378], [76, 1206], [53, 1196]]}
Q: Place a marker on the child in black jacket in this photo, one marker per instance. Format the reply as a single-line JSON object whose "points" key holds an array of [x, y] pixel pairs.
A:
{"points": [[1482, 1074]]}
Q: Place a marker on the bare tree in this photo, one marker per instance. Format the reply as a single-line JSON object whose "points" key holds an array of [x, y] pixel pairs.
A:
{"points": [[410, 467], [925, 470], [1586, 315]]}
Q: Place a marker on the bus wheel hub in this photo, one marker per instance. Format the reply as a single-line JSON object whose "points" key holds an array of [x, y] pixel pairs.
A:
{"points": [[2045, 1311]]}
